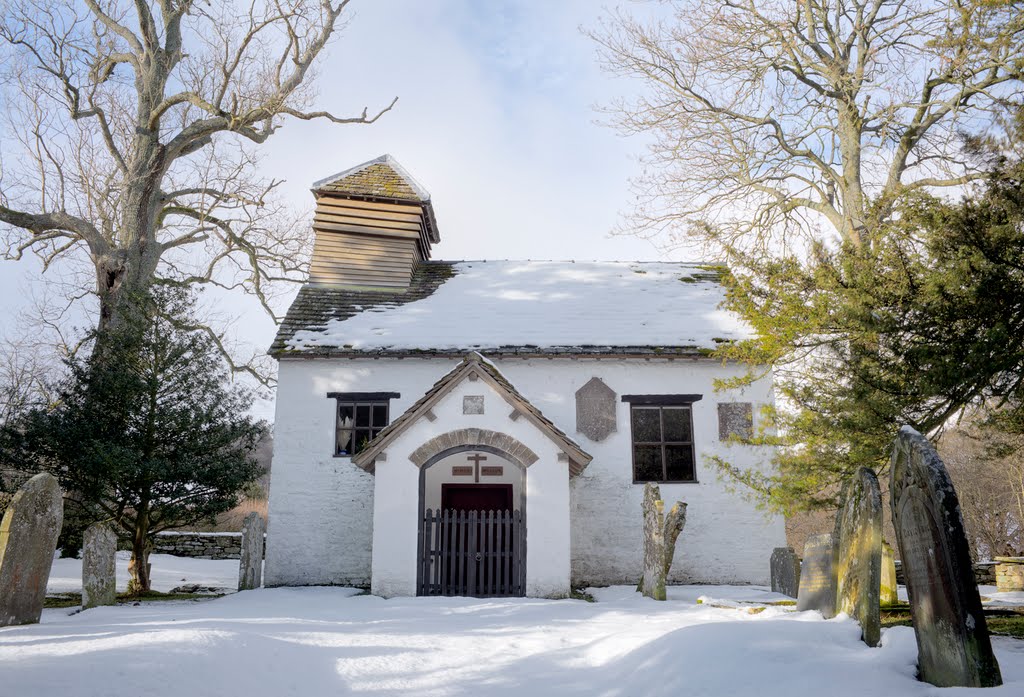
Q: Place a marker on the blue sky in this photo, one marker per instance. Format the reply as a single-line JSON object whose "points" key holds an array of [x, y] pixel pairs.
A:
{"points": [[495, 118]]}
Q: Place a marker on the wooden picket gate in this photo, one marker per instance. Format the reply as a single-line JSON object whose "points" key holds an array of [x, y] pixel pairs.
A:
{"points": [[473, 553]]}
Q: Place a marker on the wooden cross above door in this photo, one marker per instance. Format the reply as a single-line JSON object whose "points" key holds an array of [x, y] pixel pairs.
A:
{"points": [[476, 459]]}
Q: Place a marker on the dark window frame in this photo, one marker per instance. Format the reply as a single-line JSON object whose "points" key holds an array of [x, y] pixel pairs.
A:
{"points": [[661, 403], [371, 429]]}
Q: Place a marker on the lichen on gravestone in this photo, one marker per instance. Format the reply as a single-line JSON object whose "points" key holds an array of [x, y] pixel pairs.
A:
{"points": [[784, 567], [99, 579], [953, 644], [858, 555], [817, 590], [250, 562], [28, 539], [888, 593]]}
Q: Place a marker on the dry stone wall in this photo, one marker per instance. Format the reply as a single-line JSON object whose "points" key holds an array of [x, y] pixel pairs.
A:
{"points": [[201, 545]]}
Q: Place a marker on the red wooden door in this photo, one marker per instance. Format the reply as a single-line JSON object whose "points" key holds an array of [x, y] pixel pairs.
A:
{"points": [[476, 497]]}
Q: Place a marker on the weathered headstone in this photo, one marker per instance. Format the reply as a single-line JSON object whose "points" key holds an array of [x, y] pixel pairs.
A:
{"points": [[953, 646], [99, 575], [28, 538], [250, 565], [660, 534], [858, 540], [1009, 574], [889, 591], [785, 571], [817, 576]]}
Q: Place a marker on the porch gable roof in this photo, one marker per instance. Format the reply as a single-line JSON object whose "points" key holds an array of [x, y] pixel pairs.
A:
{"points": [[474, 364]]}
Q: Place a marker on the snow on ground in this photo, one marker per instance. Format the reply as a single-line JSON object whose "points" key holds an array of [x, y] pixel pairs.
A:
{"points": [[994, 597], [329, 641], [168, 572]]}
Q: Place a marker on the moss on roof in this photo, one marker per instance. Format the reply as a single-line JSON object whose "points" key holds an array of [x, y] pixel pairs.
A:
{"points": [[378, 180]]}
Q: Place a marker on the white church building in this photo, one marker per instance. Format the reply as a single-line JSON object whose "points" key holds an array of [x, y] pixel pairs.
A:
{"points": [[487, 427]]}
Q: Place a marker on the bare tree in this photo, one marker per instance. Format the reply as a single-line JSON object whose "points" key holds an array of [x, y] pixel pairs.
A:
{"points": [[774, 121], [132, 129], [987, 468]]}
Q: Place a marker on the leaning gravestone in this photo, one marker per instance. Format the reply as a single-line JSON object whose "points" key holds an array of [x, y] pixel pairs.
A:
{"points": [[858, 540], [28, 538], [785, 571], [889, 592], [817, 577], [98, 566], [250, 565], [953, 647]]}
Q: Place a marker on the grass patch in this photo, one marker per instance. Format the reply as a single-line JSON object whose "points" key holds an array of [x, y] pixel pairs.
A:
{"points": [[580, 594], [998, 625], [64, 600]]}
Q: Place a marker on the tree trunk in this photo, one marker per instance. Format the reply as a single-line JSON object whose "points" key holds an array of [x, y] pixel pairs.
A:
{"points": [[138, 567], [660, 535]]}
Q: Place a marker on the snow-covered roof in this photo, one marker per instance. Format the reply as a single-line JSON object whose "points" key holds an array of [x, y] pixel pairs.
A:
{"points": [[519, 307]]}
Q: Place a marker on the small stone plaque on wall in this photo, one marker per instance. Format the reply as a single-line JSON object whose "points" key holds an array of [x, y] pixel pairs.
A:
{"points": [[473, 404], [491, 471], [735, 419], [462, 471], [595, 410]]}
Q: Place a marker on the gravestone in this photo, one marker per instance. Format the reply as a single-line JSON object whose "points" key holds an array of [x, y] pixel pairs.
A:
{"points": [[858, 541], [889, 592], [660, 535], [953, 646], [785, 571], [99, 576], [28, 538], [817, 590], [250, 565]]}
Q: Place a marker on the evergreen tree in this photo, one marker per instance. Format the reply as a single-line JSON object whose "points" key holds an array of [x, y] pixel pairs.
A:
{"points": [[147, 430]]}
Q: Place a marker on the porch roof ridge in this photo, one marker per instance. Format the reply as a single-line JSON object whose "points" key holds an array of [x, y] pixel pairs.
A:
{"points": [[473, 362]]}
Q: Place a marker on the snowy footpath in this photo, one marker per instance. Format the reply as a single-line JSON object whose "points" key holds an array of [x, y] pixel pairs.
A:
{"points": [[331, 641]]}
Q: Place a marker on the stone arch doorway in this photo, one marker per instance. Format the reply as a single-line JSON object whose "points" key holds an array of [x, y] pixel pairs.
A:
{"points": [[472, 520]]}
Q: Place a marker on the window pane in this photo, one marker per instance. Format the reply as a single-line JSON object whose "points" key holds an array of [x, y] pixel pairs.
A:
{"points": [[362, 415], [380, 415], [362, 438], [345, 414], [679, 463], [647, 463], [677, 424], [646, 425]]}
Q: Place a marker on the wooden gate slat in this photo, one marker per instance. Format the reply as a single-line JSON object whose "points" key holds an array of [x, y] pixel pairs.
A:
{"points": [[487, 572], [471, 553]]}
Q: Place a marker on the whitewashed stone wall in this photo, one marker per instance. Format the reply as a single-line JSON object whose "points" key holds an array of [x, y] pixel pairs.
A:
{"points": [[726, 540], [321, 513]]}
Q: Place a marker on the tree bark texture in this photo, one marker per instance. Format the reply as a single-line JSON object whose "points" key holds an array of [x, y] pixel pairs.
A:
{"points": [[660, 535]]}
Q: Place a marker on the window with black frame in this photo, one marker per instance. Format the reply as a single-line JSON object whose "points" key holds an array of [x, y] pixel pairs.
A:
{"points": [[359, 418], [662, 435]]}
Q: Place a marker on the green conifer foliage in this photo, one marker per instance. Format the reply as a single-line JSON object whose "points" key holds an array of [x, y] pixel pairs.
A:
{"points": [[918, 327], [146, 431]]}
